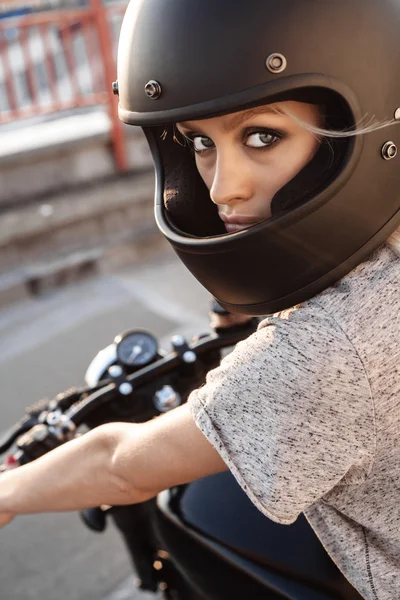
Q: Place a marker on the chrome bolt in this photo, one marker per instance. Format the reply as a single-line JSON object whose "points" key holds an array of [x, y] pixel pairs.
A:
{"points": [[166, 399], [389, 150], [178, 340], [189, 356], [397, 114], [53, 418], [115, 88], [125, 388], [153, 89], [276, 63], [115, 371]]}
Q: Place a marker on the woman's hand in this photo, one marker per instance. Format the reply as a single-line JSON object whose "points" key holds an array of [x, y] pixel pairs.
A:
{"points": [[10, 463], [5, 519]]}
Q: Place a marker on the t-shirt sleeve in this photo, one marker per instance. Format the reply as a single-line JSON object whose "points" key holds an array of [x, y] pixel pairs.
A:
{"points": [[290, 412]]}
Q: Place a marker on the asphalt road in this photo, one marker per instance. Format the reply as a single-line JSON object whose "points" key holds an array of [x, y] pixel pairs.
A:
{"points": [[45, 347]]}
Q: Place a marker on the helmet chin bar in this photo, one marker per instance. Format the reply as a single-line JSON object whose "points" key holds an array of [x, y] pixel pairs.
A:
{"points": [[313, 178]]}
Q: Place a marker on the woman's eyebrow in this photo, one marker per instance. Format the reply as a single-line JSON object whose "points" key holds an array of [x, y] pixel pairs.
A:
{"points": [[236, 119]]}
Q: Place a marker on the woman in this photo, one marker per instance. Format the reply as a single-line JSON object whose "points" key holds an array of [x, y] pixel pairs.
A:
{"points": [[273, 128]]}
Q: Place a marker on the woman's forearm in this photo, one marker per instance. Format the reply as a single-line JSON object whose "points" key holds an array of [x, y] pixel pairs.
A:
{"points": [[118, 463], [77, 475]]}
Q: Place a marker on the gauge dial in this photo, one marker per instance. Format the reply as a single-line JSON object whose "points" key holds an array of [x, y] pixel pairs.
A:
{"points": [[136, 348]]}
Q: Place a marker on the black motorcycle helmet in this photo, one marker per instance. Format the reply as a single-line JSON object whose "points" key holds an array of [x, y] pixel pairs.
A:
{"points": [[193, 59]]}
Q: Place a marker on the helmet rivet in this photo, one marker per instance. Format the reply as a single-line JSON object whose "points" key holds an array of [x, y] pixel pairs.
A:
{"points": [[153, 89], [389, 150], [397, 114], [115, 88], [276, 63]]}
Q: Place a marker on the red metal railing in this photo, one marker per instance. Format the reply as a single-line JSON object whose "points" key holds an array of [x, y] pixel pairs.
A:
{"points": [[58, 60]]}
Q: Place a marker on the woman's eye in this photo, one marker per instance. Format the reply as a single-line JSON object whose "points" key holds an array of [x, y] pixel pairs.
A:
{"points": [[261, 139], [201, 143]]}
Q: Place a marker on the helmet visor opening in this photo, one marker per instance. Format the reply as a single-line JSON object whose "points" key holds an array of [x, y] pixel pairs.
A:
{"points": [[188, 206]]}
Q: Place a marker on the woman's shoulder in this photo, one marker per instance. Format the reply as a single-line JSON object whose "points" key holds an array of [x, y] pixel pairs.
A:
{"points": [[352, 313], [371, 288]]}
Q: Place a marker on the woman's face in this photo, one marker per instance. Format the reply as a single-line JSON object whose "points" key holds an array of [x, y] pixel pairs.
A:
{"points": [[245, 158]]}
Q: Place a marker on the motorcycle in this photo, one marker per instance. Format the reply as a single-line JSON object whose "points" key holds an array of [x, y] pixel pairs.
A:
{"points": [[200, 541]]}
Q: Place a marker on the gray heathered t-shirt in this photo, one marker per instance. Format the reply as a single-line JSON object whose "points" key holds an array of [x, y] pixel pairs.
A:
{"points": [[306, 414]]}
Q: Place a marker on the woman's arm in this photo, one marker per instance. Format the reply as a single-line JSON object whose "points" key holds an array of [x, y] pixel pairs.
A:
{"points": [[114, 464]]}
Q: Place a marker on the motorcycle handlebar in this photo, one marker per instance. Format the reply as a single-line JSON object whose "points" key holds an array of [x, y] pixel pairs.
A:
{"points": [[52, 423]]}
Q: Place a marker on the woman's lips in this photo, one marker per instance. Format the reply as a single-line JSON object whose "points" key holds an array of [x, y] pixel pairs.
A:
{"points": [[232, 227], [233, 224]]}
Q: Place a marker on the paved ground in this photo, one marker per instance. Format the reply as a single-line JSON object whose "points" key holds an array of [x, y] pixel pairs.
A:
{"points": [[45, 346]]}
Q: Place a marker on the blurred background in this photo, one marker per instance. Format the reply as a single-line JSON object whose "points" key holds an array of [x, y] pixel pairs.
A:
{"points": [[74, 182], [80, 259]]}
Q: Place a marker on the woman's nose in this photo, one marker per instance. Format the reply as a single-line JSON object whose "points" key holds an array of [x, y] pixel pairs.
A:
{"points": [[232, 179]]}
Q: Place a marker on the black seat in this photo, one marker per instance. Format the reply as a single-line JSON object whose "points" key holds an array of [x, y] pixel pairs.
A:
{"points": [[217, 508]]}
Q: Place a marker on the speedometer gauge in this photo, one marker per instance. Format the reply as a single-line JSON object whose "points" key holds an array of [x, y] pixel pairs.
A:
{"points": [[136, 348]]}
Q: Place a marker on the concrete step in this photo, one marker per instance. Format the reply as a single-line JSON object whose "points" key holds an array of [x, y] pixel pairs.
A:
{"points": [[42, 277], [41, 216], [42, 158], [13, 288], [103, 214], [22, 283], [64, 208]]}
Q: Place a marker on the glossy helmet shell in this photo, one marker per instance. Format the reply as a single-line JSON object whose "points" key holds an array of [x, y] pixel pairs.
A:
{"points": [[181, 60]]}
